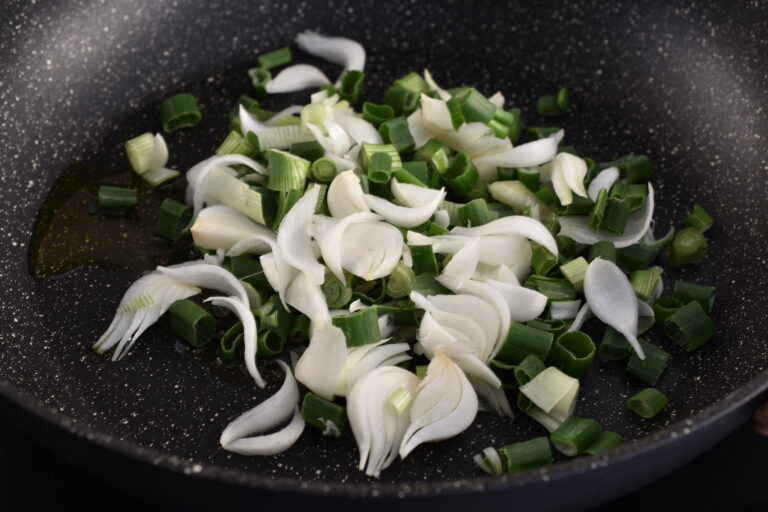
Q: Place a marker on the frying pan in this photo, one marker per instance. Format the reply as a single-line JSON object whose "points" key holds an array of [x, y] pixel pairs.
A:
{"points": [[681, 82]]}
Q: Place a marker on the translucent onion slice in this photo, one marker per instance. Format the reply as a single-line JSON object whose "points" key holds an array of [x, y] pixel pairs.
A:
{"points": [[464, 263], [371, 250], [444, 95], [612, 299], [244, 314], [402, 215], [207, 276], [221, 227], [376, 424], [473, 310], [358, 128], [364, 359], [296, 78], [525, 155], [524, 304], [308, 298], [445, 405], [345, 196], [510, 250], [320, 366], [497, 99], [576, 227], [568, 173], [605, 179], [436, 113], [413, 196], [492, 398], [270, 444], [514, 225], [329, 234], [548, 388], [152, 295], [339, 50], [294, 241], [337, 142]]}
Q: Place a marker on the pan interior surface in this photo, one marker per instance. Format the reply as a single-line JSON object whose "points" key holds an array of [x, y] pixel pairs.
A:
{"points": [[682, 85]]}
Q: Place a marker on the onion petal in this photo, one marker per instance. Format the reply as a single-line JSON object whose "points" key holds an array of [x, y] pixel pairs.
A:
{"points": [[221, 227], [605, 179], [330, 234], [339, 50], [514, 225], [246, 317], [345, 196], [207, 276], [296, 78], [320, 366], [401, 215], [293, 237]]}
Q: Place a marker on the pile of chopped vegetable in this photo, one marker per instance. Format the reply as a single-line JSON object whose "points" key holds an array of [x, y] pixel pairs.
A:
{"points": [[433, 255]]}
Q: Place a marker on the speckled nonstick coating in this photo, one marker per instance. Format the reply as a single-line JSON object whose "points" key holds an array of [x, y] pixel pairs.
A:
{"points": [[680, 81]]}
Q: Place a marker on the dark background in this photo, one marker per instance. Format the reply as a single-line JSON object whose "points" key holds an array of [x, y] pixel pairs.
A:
{"points": [[732, 476]]}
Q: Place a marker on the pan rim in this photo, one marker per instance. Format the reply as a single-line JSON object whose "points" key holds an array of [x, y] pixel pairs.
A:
{"points": [[256, 482]]}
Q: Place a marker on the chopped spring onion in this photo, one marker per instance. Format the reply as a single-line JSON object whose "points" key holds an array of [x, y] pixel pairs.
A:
{"points": [[401, 399], [475, 107], [350, 84], [574, 272], [310, 150], [522, 341], [402, 101], [648, 403], [616, 216], [649, 369], [543, 261], [633, 168], [460, 176], [553, 288], [698, 219], [413, 82], [179, 111], [424, 261], [400, 281], [377, 114], [286, 201], [663, 308], [575, 435], [475, 213], [548, 388], [436, 153], [269, 343], [645, 281], [605, 441], [528, 368], [329, 417], [614, 346], [300, 330], [231, 342], [689, 246], [173, 219], [275, 58], [396, 132], [367, 151], [531, 454], [690, 327], [254, 202], [195, 325], [286, 171], [573, 352], [360, 327], [323, 170], [604, 250], [686, 292], [337, 294], [597, 215], [554, 105], [260, 77], [379, 168], [116, 199], [235, 144]]}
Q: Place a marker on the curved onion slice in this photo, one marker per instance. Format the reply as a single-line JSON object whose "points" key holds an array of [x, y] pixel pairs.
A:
{"points": [[568, 173], [444, 406], [245, 316], [524, 304], [497, 99], [364, 359], [371, 250], [464, 263], [436, 113], [339, 50], [576, 227], [444, 95], [207, 276], [221, 227], [376, 424], [612, 299], [492, 398], [473, 310], [296, 78], [330, 235], [270, 444], [142, 304], [514, 225], [308, 298], [413, 196], [605, 179], [320, 366], [358, 128], [345, 196], [511, 250], [293, 238], [337, 142], [402, 215], [503, 273], [525, 155]]}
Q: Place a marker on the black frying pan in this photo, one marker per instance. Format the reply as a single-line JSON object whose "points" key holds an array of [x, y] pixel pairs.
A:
{"points": [[680, 82]]}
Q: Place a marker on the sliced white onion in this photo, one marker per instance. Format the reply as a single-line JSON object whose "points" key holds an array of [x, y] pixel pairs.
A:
{"points": [[463, 264], [345, 196], [371, 250], [564, 309], [282, 114], [605, 179], [524, 304], [320, 366], [146, 300], [445, 405], [576, 227], [401, 215], [612, 299], [492, 398], [337, 142], [270, 444], [473, 311], [584, 314], [497, 99], [444, 95], [308, 298], [294, 241], [514, 225], [358, 128], [413, 196], [366, 358], [436, 113], [296, 78], [511, 250], [442, 218], [485, 272], [376, 424], [330, 235], [529, 154], [339, 50], [207, 276], [244, 314], [568, 173], [221, 227]]}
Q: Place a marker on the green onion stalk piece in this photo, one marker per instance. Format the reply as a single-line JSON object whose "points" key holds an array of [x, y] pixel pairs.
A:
{"points": [[573, 353], [633, 168], [436, 153], [635, 194], [553, 288], [523, 340], [395, 131], [379, 168], [528, 368], [597, 215], [195, 325], [402, 101], [554, 327], [275, 58], [574, 272], [349, 86], [367, 150], [614, 346], [270, 343], [230, 343], [616, 216], [172, 219], [329, 417], [649, 369], [248, 269], [575, 435], [689, 246], [690, 327], [286, 171], [337, 294], [543, 261], [400, 281], [256, 203], [310, 150], [605, 441], [360, 327], [698, 219], [663, 308], [116, 199], [377, 114], [686, 292], [531, 454], [475, 213], [285, 201], [461, 176], [259, 77], [475, 107], [648, 403], [604, 250], [179, 111], [323, 170], [235, 144], [645, 281], [300, 330], [529, 176]]}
